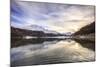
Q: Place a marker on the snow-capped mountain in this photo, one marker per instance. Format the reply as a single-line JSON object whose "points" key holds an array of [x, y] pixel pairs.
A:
{"points": [[67, 33], [39, 28]]}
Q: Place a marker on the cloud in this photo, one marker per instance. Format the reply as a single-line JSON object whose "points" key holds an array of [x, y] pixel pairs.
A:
{"points": [[58, 17]]}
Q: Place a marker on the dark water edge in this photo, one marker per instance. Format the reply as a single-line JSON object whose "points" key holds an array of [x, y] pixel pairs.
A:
{"points": [[15, 42], [18, 42], [86, 43]]}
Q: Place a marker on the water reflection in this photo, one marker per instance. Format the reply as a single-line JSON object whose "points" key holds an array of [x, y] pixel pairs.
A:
{"points": [[46, 51]]}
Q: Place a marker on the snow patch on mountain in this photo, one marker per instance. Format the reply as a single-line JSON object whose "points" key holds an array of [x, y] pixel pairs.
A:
{"points": [[39, 28]]}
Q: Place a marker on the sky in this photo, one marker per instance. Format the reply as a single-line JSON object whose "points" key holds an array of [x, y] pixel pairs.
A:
{"points": [[52, 16]]}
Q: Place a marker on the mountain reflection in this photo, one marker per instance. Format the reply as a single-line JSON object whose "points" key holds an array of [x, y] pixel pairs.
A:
{"points": [[21, 42], [51, 50]]}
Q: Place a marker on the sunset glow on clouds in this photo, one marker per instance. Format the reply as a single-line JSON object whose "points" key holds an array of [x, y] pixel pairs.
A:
{"points": [[57, 17]]}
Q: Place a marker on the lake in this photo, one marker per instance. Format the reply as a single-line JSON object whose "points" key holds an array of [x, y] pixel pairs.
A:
{"points": [[40, 51]]}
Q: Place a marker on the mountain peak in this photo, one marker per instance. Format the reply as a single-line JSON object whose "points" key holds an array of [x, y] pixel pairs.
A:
{"points": [[39, 28]]}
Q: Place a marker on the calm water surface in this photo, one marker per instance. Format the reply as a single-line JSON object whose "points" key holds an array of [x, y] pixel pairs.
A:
{"points": [[48, 51]]}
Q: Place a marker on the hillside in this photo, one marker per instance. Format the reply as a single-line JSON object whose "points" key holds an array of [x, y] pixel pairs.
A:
{"points": [[16, 32], [89, 29]]}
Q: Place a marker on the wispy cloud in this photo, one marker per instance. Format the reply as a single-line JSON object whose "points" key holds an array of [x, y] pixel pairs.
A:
{"points": [[58, 17]]}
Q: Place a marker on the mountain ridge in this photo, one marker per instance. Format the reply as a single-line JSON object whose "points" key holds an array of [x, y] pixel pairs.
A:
{"points": [[88, 29]]}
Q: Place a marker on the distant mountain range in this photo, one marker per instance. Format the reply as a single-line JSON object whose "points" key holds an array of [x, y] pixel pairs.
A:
{"points": [[38, 28], [17, 32], [38, 31]]}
